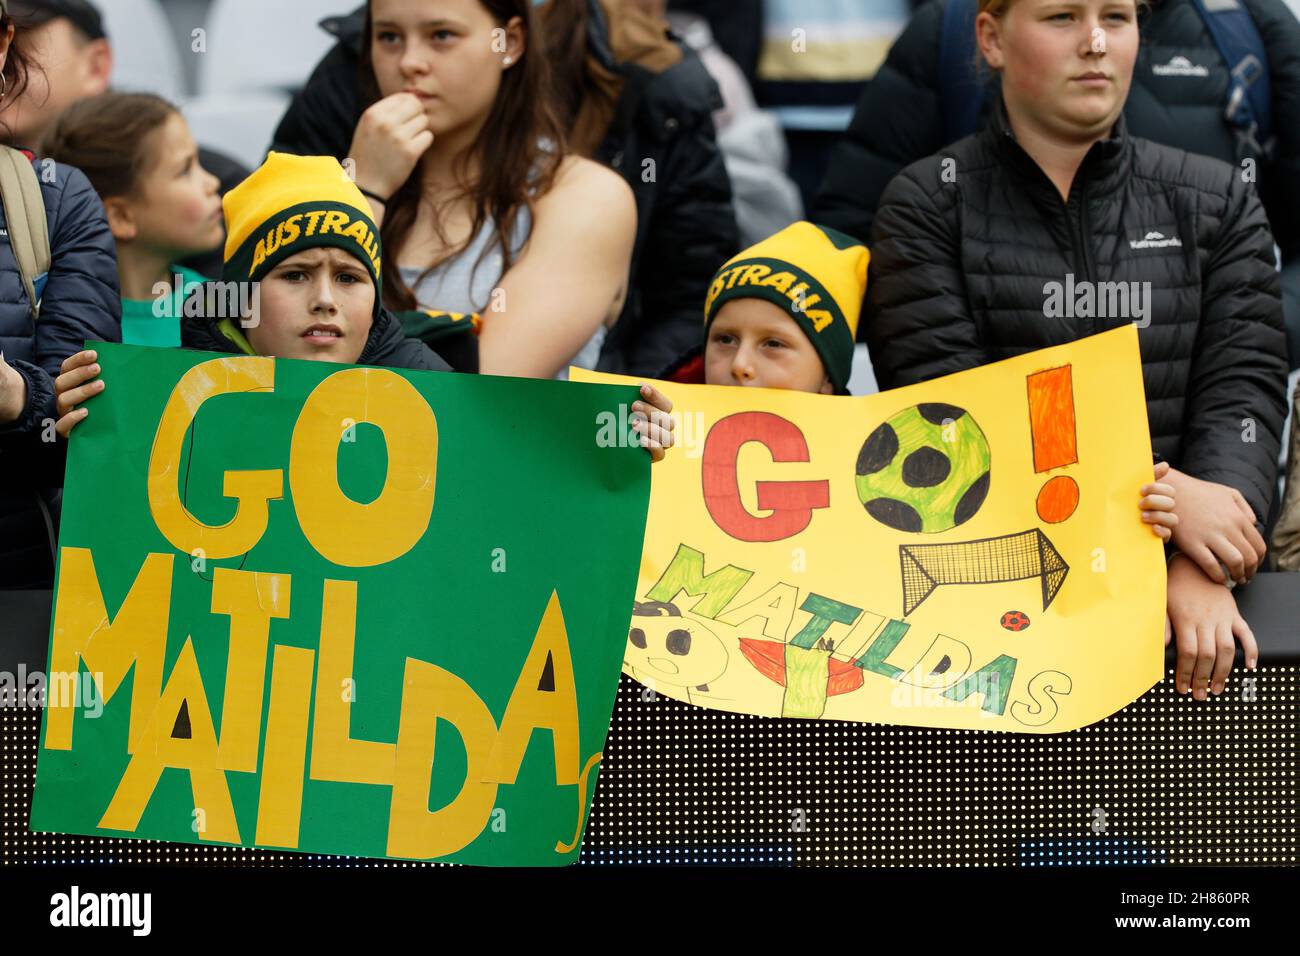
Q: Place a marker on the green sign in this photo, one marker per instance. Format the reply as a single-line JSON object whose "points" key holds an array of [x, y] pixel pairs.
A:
{"points": [[338, 609]]}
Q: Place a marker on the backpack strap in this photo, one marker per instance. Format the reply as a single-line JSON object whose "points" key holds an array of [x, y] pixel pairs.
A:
{"points": [[961, 88], [1250, 106], [25, 219]]}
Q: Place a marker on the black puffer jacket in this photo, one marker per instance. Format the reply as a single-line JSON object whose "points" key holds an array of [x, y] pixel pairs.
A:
{"points": [[386, 346], [686, 226], [958, 274], [899, 119], [80, 302]]}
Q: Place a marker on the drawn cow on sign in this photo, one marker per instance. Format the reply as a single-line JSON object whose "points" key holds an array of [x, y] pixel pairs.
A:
{"points": [[665, 648]]}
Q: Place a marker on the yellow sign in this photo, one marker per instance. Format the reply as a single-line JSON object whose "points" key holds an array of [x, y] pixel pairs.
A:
{"points": [[963, 553]]}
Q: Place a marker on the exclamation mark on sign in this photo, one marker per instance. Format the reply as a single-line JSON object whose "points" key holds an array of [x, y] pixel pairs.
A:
{"points": [[1051, 426]]}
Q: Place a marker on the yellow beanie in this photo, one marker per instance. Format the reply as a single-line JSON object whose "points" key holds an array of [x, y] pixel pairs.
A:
{"points": [[818, 275], [291, 203]]}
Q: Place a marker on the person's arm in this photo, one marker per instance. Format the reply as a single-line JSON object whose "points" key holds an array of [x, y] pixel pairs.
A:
{"points": [[898, 120], [1236, 390], [1202, 618], [919, 323], [80, 302], [563, 286]]}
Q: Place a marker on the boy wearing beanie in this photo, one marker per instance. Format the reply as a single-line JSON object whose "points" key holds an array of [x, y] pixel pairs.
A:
{"points": [[783, 314], [300, 232], [293, 222]]}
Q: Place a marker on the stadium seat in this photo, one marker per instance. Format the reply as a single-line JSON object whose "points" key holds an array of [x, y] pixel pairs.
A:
{"points": [[145, 57], [239, 125], [256, 45]]}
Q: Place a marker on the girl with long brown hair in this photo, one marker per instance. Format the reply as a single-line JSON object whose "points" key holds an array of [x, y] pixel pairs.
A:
{"points": [[162, 205], [482, 208]]}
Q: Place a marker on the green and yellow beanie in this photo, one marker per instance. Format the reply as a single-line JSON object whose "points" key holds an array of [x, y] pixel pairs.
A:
{"points": [[817, 275], [291, 203]]}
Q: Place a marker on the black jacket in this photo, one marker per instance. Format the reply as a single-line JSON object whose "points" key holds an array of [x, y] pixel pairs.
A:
{"points": [[959, 270], [386, 346], [899, 119], [80, 302], [737, 26], [686, 226]]}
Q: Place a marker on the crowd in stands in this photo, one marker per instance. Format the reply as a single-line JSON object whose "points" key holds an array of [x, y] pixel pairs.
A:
{"points": [[625, 185]]}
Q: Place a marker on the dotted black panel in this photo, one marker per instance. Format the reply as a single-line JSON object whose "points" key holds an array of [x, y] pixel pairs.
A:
{"points": [[1168, 780]]}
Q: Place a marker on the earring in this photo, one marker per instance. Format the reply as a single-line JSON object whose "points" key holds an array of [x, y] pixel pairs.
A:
{"points": [[508, 60], [4, 86]]}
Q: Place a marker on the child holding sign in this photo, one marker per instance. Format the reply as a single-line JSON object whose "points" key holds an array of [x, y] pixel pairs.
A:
{"points": [[302, 247], [784, 314]]}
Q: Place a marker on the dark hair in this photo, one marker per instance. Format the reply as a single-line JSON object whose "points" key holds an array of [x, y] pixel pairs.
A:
{"points": [[564, 31], [109, 138], [521, 136], [586, 90], [18, 66]]}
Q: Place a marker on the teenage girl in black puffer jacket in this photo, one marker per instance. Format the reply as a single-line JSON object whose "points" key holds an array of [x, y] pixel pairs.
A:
{"points": [[1054, 190]]}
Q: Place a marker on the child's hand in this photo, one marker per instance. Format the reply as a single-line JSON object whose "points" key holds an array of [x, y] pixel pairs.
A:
{"points": [[1215, 525], [651, 419], [1158, 504], [1203, 619], [76, 383]]}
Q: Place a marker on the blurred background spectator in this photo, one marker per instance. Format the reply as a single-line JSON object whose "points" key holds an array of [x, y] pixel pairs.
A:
{"points": [[807, 60], [85, 48], [753, 144]]}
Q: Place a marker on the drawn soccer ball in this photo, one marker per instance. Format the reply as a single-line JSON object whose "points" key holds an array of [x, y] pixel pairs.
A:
{"points": [[1015, 620], [925, 470]]}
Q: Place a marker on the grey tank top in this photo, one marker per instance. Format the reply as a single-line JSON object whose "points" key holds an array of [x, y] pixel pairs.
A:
{"points": [[465, 283]]}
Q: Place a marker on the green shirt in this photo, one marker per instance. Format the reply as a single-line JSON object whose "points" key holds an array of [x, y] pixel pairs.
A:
{"points": [[157, 322]]}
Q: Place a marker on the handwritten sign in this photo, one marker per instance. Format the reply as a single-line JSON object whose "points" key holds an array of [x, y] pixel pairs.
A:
{"points": [[963, 553], [338, 609]]}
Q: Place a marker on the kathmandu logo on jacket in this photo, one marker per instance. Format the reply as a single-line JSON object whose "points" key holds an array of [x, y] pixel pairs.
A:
{"points": [[1180, 66], [1155, 240]]}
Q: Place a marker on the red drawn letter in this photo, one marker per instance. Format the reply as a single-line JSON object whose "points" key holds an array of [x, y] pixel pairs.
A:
{"points": [[791, 502]]}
